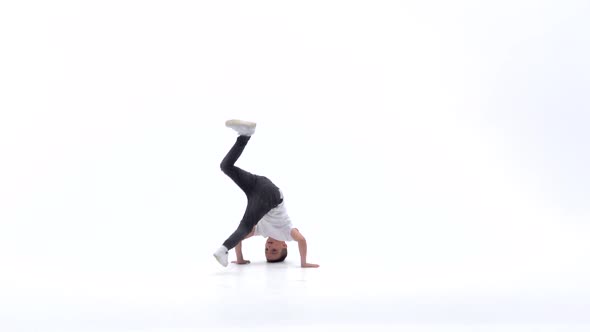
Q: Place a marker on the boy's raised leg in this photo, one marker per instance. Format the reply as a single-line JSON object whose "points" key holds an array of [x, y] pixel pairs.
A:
{"points": [[243, 179]]}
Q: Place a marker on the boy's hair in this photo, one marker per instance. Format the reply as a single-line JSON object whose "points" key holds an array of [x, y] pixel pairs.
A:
{"points": [[281, 258]]}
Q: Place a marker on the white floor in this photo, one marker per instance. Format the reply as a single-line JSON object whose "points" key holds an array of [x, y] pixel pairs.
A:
{"points": [[263, 297]]}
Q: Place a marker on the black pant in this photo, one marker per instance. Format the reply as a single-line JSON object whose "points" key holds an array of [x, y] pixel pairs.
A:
{"points": [[262, 194]]}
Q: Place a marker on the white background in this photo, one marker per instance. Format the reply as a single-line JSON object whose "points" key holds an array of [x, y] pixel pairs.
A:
{"points": [[435, 155]]}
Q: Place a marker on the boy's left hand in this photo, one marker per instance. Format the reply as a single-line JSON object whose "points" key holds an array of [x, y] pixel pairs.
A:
{"points": [[243, 261]]}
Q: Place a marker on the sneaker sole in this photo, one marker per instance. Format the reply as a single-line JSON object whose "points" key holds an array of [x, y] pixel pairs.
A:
{"points": [[232, 123]]}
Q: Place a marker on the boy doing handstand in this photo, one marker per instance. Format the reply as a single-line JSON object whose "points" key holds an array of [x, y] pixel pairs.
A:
{"points": [[265, 213]]}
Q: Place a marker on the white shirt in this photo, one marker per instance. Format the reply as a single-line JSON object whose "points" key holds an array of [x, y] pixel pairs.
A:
{"points": [[276, 224]]}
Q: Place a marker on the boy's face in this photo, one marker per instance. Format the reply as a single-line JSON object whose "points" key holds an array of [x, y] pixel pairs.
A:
{"points": [[272, 248]]}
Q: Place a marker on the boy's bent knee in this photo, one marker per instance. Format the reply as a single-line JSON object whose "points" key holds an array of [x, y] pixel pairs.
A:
{"points": [[225, 167]]}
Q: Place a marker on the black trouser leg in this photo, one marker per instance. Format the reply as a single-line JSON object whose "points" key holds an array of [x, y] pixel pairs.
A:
{"points": [[256, 209], [262, 194], [245, 180]]}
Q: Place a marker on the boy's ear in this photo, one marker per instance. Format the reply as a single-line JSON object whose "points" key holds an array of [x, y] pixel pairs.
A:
{"points": [[284, 245]]}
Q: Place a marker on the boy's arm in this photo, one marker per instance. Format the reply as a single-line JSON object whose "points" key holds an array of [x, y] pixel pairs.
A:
{"points": [[302, 248], [239, 256]]}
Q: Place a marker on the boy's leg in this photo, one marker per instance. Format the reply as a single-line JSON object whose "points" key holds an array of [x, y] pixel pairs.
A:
{"points": [[243, 179], [260, 202], [247, 182], [256, 209]]}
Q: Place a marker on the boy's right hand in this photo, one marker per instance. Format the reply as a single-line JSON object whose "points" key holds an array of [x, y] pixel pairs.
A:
{"points": [[309, 265], [240, 262]]}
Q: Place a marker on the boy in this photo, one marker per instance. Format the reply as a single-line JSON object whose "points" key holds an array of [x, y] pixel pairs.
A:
{"points": [[265, 214]]}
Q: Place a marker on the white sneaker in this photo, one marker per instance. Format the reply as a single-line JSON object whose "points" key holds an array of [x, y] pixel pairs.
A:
{"points": [[244, 128], [221, 255]]}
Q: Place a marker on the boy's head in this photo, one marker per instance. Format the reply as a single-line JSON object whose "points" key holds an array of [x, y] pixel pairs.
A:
{"points": [[275, 251]]}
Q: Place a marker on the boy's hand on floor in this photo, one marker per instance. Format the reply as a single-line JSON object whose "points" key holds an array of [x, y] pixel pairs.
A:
{"points": [[241, 262], [309, 265]]}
